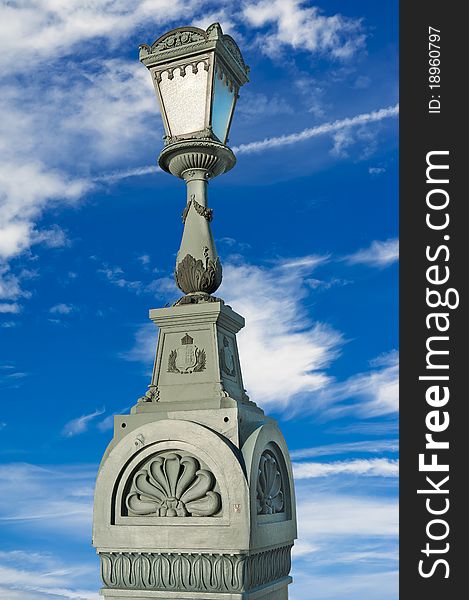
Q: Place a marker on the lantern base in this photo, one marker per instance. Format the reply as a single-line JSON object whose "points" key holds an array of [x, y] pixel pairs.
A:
{"points": [[215, 158]]}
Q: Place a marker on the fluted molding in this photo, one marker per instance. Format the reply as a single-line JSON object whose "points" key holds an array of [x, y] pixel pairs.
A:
{"points": [[215, 158]]}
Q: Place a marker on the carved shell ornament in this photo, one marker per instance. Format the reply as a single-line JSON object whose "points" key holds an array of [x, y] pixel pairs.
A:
{"points": [[270, 496], [173, 486]]}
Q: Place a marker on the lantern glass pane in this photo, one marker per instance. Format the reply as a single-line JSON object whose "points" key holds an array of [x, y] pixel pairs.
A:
{"points": [[222, 105], [184, 99]]}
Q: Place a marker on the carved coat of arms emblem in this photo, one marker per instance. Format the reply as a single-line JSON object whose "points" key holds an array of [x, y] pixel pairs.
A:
{"points": [[187, 358], [226, 358]]}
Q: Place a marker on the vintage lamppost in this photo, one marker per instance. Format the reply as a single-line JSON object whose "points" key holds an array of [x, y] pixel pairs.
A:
{"points": [[197, 76], [194, 497]]}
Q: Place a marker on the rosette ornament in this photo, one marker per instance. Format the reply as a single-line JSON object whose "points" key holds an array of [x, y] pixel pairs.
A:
{"points": [[173, 486], [269, 486]]}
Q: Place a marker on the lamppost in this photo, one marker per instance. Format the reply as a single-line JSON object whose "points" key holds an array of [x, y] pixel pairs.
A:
{"points": [[194, 497], [197, 76]]}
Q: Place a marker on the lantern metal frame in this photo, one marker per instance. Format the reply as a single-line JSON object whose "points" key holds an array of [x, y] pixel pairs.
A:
{"points": [[185, 48]]}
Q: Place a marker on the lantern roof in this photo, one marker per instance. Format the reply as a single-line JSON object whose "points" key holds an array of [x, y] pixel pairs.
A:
{"points": [[190, 41]]}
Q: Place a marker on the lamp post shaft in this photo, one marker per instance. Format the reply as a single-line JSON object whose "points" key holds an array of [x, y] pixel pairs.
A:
{"points": [[198, 269]]}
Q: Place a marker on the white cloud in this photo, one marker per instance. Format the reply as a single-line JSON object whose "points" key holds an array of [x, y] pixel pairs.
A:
{"points": [[41, 576], [108, 422], [370, 394], [52, 238], [110, 112], [363, 446], [325, 128], [114, 176], [253, 105], [282, 353], [59, 127], [57, 499], [11, 307], [61, 309], [304, 28], [144, 259], [29, 593], [378, 254], [374, 467], [80, 424], [343, 139], [382, 584], [26, 189], [342, 527], [54, 29], [302, 548], [376, 170], [10, 287], [367, 427], [329, 515], [115, 275], [144, 347]]}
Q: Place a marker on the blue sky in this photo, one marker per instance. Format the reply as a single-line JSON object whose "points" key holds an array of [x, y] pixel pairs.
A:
{"points": [[306, 226]]}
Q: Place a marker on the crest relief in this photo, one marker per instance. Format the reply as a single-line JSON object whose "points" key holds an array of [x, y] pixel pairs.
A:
{"points": [[187, 358], [227, 359]]}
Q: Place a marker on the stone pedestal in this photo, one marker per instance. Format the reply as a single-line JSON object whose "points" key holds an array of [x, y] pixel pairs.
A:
{"points": [[194, 497]]}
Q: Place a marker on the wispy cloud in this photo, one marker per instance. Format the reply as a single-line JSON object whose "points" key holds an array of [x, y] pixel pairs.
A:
{"points": [[54, 28], [363, 446], [378, 254], [61, 496], [108, 422], [114, 176], [9, 308], [11, 377], [341, 129], [376, 170], [252, 105], [42, 576], [347, 515], [325, 128], [80, 424], [304, 27], [61, 309], [373, 467], [369, 394], [341, 528], [116, 276], [382, 584]]}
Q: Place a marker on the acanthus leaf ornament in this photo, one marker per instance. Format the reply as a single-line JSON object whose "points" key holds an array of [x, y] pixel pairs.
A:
{"points": [[173, 485], [193, 275], [151, 395]]}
